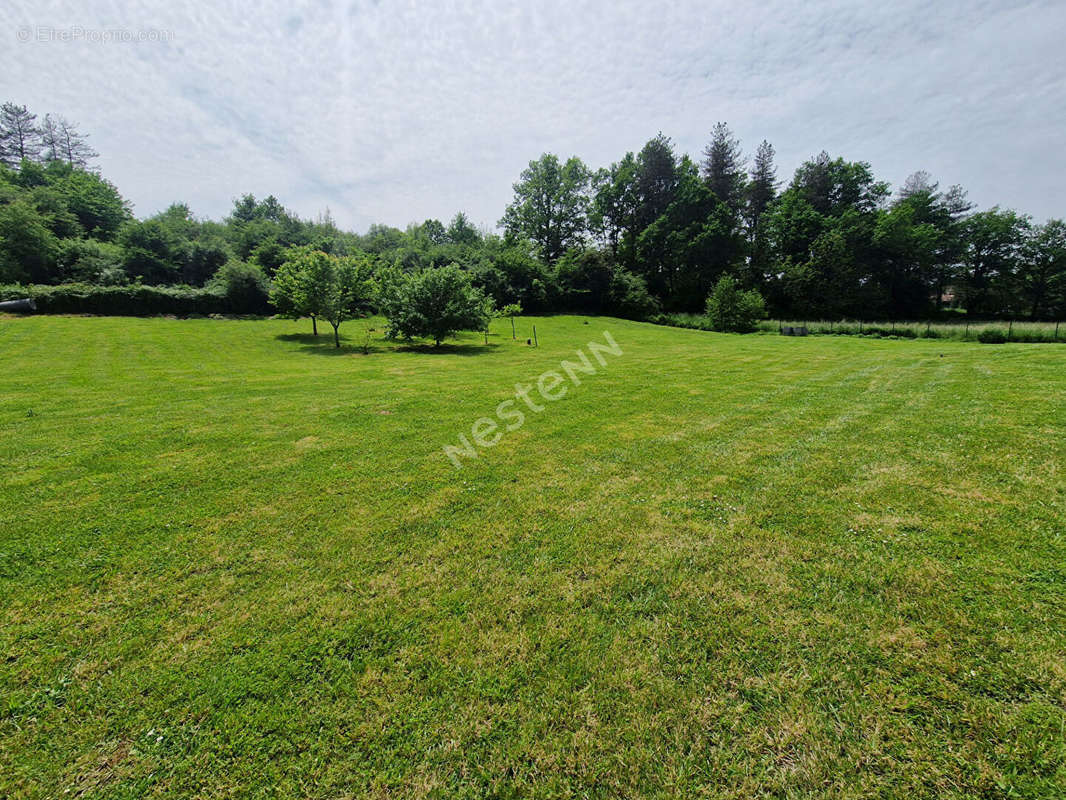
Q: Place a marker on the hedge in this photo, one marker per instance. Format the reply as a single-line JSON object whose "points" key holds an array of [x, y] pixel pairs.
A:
{"points": [[130, 301]]}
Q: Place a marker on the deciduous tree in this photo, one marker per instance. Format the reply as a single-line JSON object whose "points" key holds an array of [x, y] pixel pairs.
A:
{"points": [[435, 303], [550, 205]]}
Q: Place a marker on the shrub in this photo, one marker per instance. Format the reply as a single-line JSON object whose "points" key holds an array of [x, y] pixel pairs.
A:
{"points": [[992, 336], [244, 285], [89, 260], [630, 297], [732, 309]]}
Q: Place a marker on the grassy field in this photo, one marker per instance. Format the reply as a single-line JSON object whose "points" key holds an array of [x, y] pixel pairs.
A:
{"points": [[235, 562]]}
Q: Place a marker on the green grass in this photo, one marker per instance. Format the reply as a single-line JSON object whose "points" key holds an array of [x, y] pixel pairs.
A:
{"points": [[235, 562]]}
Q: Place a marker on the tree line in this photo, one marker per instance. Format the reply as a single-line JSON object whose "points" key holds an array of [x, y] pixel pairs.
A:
{"points": [[834, 242], [654, 231]]}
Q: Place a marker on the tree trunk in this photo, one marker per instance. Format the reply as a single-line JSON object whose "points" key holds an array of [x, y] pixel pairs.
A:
{"points": [[314, 325], [336, 336]]}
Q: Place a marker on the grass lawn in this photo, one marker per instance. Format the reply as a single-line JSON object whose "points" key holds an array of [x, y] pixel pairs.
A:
{"points": [[236, 562]]}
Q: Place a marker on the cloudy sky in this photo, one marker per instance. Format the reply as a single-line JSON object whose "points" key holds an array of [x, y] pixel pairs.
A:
{"points": [[386, 111]]}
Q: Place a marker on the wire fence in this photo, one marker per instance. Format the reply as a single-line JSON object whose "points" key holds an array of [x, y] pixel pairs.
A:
{"points": [[962, 330], [985, 331]]}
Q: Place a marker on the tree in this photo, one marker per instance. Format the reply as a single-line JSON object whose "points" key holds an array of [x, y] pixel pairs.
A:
{"points": [[834, 186], [903, 271], [589, 282], [51, 138], [318, 285], [19, 138], [286, 289], [992, 255], [656, 178], [733, 309], [760, 193], [72, 145], [28, 248], [762, 188], [342, 292], [1042, 274], [95, 201], [511, 310], [244, 285], [434, 303], [944, 212], [550, 205], [461, 231], [821, 231], [152, 252], [723, 167], [612, 212], [509, 272], [694, 241]]}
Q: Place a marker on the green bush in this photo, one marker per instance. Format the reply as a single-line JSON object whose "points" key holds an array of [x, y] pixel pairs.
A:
{"points": [[897, 331], [245, 287], [629, 296], [992, 336], [89, 260], [732, 309]]}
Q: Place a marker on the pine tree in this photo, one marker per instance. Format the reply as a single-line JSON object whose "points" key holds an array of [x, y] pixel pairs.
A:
{"points": [[72, 145], [656, 179], [50, 139], [19, 137], [723, 167], [760, 191]]}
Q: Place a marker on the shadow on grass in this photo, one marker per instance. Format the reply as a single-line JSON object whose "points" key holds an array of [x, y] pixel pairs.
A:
{"points": [[479, 349], [322, 345]]}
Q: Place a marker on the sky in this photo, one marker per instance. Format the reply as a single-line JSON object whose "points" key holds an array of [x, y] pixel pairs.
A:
{"points": [[396, 112]]}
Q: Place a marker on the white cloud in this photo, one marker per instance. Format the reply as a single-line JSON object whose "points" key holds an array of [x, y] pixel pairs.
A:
{"points": [[395, 112]]}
